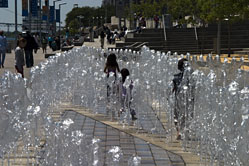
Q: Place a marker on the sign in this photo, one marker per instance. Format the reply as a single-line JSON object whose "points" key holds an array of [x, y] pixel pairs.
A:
{"points": [[4, 3], [25, 10], [51, 14], [58, 15], [45, 13], [33, 8]]}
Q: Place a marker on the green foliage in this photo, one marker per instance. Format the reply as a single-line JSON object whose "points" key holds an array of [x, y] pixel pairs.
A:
{"points": [[215, 10], [86, 16], [148, 8], [206, 10]]}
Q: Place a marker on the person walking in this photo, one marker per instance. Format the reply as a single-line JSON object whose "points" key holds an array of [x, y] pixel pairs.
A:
{"points": [[156, 19], [44, 45], [28, 49], [3, 46], [183, 90], [102, 39], [19, 56]]}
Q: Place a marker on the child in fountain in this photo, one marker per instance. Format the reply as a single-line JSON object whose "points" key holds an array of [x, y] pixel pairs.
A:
{"points": [[126, 92], [183, 92], [19, 56], [111, 66]]}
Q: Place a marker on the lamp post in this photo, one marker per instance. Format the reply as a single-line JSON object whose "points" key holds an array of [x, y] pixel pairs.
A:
{"points": [[54, 21], [93, 21], [16, 33], [80, 20], [60, 21]]}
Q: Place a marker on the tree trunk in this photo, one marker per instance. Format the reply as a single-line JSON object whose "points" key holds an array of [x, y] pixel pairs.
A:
{"points": [[218, 37], [229, 39]]}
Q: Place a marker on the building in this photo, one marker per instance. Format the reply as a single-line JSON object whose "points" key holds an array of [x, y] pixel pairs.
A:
{"points": [[108, 2]]}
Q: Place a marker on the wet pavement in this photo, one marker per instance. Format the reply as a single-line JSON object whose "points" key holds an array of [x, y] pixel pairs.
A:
{"points": [[150, 154]]}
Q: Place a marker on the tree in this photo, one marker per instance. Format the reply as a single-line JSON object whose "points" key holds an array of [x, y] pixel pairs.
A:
{"points": [[217, 11], [87, 14]]}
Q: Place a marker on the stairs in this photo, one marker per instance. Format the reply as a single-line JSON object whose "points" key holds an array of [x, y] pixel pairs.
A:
{"points": [[183, 40]]}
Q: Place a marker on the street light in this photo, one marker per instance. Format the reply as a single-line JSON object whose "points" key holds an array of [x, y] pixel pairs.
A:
{"points": [[80, 20], [60, 14], [101, 20], [54, 21], [97, 21]]}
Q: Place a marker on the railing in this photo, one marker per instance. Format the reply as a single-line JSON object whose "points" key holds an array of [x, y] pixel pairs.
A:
{"points": [[164, 29]]}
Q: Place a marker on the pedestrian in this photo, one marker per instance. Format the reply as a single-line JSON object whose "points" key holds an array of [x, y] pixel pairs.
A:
{"points": [[58, 43], [37, 43], [3, 47], [50, 40], [44, 45], [126, 93], [102, 39], [156, 20], [19, 56], [91, 34], [28, 49], [135, 21], [184, 97], [111, 66]]}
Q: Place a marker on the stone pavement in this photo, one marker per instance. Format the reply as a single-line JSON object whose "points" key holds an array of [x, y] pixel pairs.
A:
{"points": [[150, 154]]}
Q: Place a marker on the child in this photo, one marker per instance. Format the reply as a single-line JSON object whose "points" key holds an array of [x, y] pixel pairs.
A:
{"points": [[111, 65], [124, 98], [19, 56], [183, 111]]}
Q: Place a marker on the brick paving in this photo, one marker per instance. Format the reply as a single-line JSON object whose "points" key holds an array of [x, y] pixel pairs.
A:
{"points": [[150, 154]]}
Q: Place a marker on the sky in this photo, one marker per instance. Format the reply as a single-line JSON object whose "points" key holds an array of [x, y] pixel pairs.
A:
{"points": [[7, 14]]}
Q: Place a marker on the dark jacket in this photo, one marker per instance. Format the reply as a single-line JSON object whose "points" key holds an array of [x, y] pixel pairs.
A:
{"points": [[31, 43]]}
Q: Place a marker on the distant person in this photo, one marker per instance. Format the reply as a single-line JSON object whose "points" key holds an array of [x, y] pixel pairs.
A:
{"points": [[50, 40], [102, 39], [19, 56], [135, 21], [156, 20], [44, 45], [28, 49], [58, 43], [91, 34], [126, 100], [67, 34], [37, 43], [3, 47]]}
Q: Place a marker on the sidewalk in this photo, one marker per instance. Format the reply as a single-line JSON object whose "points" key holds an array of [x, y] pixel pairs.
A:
{"points": [[97, 44], [10, 62]]}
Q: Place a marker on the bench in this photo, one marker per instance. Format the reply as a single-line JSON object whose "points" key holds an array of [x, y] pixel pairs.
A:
{"points": [[66, 48]]}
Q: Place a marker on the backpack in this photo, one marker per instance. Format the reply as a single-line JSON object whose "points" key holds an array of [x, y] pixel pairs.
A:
{"points": [[44, 41]]}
